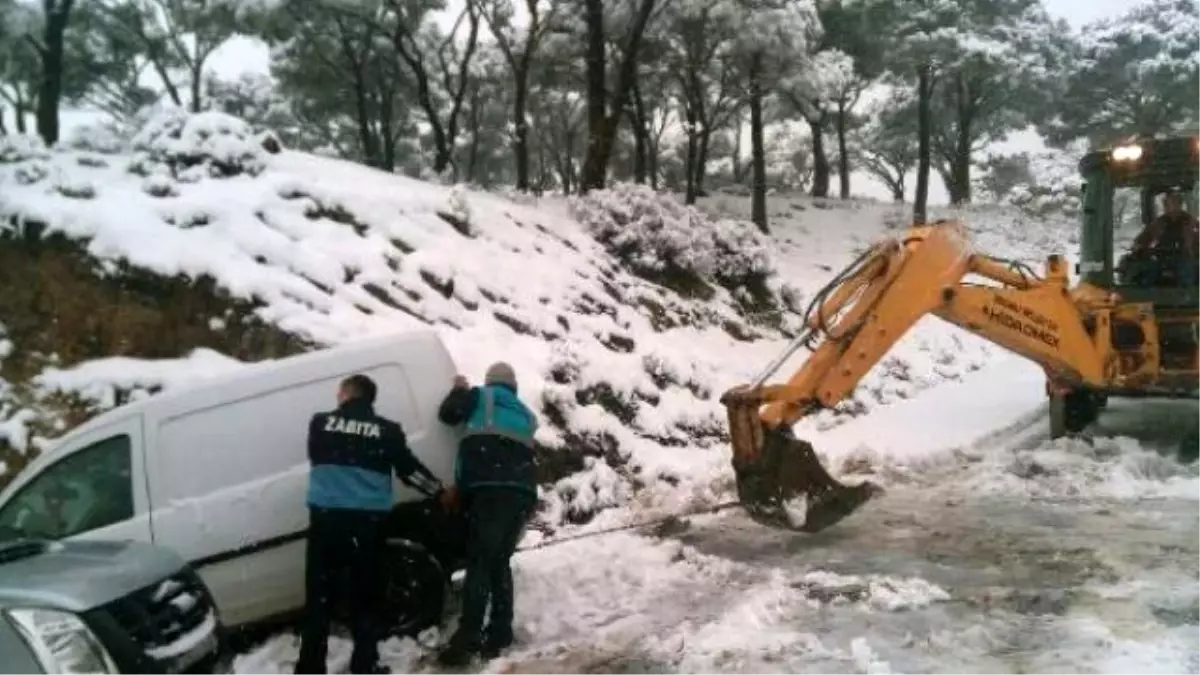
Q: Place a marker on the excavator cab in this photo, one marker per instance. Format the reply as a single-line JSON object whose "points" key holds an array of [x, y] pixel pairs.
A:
{"points": [[1128, 327], [1123, 189]]}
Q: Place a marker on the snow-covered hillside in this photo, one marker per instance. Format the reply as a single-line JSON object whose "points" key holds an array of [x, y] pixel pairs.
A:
{"points": [[626, 371]]}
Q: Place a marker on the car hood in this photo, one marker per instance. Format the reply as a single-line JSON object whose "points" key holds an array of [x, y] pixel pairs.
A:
{"points": [[79, 575]]}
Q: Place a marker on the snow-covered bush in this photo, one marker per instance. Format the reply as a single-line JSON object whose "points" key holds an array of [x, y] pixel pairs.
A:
{"points": [[657, 236], [458, 212], [220, 145], [20, 147], [16, 436], [75, 187], [103, 139], [1048, 182]]}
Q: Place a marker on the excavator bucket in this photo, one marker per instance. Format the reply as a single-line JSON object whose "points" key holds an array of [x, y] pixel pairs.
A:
{"points": [[780, 481]]}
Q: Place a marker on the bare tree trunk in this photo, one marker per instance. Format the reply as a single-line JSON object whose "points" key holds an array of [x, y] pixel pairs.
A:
{"points": [[693, 152], [386, 116], [924, 132], [569, 181], [639, 151], [737, 147], [597, 95], [960, 168], [641, 135], [758, 154], [3, 128], [58, 15], [652, 163], [520, 127], [473, 149], [820, 179], [19, 114], [843, 152], [702, 160], [197, 73]]}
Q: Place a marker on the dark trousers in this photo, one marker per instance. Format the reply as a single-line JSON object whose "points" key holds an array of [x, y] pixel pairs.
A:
{"points": [[496, 518], [345, 548]]}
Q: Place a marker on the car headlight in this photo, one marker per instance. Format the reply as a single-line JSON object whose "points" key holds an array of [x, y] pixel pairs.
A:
{"points": [[62, 642]]}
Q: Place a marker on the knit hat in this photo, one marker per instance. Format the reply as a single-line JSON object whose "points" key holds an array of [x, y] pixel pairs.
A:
{"points": [[501, 373]]}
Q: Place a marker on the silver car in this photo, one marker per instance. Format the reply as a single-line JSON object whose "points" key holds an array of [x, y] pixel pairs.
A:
{"points": [[104, 607]]}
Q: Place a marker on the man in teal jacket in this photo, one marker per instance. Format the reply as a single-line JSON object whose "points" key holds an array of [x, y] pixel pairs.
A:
{"points": [[496, 479]]}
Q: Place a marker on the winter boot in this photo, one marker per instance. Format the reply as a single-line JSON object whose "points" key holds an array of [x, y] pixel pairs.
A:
{"points": [[495, 642], [458, 653]]}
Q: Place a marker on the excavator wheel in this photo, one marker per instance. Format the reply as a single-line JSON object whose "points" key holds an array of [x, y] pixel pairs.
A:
{"points": [[1072, 412], [787, 476]]}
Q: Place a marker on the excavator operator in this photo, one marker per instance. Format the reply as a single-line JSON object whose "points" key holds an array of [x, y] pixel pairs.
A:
{"points": [[1166, 247]]}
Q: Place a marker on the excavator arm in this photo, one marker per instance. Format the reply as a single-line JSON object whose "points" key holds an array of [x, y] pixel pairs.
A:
{"points": [[856, 319]]}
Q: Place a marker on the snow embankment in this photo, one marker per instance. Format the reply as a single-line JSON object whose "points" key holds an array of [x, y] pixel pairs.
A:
{"points": [[625, 314]]}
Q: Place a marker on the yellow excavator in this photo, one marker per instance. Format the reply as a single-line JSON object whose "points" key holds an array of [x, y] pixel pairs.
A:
{"points": [[1126, 330]]}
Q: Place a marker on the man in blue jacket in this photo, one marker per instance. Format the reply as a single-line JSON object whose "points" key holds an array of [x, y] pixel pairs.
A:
{"points": [[496, 479], [353, 452]]}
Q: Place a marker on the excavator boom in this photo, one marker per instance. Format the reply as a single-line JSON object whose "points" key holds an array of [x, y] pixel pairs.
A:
{"points": [[855, 320]]}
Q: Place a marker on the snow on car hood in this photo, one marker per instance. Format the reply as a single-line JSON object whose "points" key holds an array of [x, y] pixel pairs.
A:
{"points": [[80, 575]]}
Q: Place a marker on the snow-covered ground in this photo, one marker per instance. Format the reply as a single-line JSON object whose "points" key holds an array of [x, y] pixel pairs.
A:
{"points": [[993, 550]]}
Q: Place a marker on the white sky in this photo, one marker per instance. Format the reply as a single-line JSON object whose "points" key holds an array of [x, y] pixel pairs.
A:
{"points": [[1080, 12]]}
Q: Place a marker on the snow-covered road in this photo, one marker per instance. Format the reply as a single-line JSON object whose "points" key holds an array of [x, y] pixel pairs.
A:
{"points": [[1008, 553]]}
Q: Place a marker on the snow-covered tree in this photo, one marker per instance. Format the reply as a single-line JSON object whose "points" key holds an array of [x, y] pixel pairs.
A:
{"points": [[1136, 74], [175, 39], [438, 63], [1007, 60], [346, 87], [852, 27], [519, 45], [699, 41], [922, 42], [813, 90], [776, 38], [885, 145]]}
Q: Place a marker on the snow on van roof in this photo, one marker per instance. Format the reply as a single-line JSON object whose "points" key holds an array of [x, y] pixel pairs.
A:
{"points": [[102, 381]]}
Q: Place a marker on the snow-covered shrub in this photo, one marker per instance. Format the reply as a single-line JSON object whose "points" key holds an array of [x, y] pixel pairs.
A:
{"points": [[102, 139], [75, 187], [1049, 183], [458, 212], [20, 148], [657, 236], [28, 174], [792, 297], [159, 186], [218, 144]]}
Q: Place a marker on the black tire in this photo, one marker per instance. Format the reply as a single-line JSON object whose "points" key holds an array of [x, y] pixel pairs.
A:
{"points": [[414, 595], [1189, 447], [1073, 412]]}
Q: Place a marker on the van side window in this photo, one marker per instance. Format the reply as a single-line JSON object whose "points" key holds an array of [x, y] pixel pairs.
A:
{"points": [[86, 490]]}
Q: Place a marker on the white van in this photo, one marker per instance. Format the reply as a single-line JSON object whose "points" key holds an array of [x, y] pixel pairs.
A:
{"points": [[219, 473]]}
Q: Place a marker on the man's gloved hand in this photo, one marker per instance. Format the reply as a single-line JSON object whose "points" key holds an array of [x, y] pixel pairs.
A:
{"points": [[448, 498]]}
